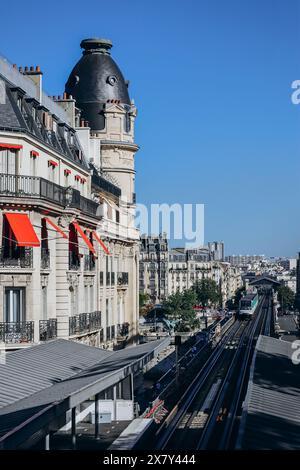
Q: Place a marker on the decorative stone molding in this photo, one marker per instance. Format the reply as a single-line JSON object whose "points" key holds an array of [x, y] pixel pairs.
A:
{"points": [[73, 279], [88, 280], [15, 280], [44, 280]]}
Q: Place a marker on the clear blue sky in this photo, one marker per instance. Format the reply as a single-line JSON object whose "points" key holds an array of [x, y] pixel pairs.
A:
{"points": [[212, 83]]}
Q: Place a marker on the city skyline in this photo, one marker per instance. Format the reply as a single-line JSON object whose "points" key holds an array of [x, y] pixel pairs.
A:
{"points": [[217, 124]]}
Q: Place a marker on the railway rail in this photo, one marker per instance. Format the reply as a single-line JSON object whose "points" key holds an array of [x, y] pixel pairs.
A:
{"points": [[207, 414]]}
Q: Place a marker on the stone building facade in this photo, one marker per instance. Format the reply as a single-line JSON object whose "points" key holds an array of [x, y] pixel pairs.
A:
{"points": [[69, 248], [178, 269]]}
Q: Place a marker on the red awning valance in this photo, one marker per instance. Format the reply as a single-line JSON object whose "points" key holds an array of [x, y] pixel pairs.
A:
{"points": [[52, 163], [34, 153], [59, 230], [10, 146], [67, 172], [96, 236], [84, 237], [22, 229]]}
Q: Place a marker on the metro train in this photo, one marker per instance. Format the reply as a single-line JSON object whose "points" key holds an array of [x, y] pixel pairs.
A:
{"points": [[248, 304]]}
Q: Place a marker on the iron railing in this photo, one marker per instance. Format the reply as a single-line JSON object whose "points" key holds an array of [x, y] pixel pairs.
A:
{"points": [[21, 258], [45, 258], [84, 323], [105, 185], [74, 261], [48, 329], [108, 333], [89, 263], [32, 186], [88, 206], [123, 329], [113, 332], [17, 332], [122, 279]]}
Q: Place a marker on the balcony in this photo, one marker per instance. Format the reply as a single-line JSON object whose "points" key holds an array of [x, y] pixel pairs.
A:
{"points": [[123, 330], [22, 258], [17, 332], [36, 187], [48, 329], [45, 258], [89, 263], [84, 323], [122, 279], [74, 261]]}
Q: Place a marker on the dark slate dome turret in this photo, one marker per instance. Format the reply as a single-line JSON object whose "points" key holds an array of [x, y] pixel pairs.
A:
{"points": [[95, 79]]}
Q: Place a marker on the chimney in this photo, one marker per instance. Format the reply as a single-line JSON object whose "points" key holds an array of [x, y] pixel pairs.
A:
{"points": [[36, 76]]}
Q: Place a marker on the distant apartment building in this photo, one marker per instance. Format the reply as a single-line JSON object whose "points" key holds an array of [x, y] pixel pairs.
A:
{"points": [[216, 250], [298, 283], [153, 267], [244, 260], [177, 269], [69, 248]]}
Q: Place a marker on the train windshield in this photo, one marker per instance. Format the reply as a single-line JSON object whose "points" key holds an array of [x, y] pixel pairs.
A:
{"points": [[246, 304]]}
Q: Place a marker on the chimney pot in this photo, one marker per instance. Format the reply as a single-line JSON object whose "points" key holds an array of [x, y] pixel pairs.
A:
{"points": [[26, 68], [54, 97], [81, 123], [70, 97], [58, 97], [86, 123], [20, 69], [37, 68], [14, 66], [31, 68], [65, 95]]}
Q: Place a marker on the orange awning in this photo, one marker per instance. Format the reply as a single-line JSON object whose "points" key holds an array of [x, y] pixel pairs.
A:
{"points": [[59, 230], [101, 242], [22, 229], [84, 237]]}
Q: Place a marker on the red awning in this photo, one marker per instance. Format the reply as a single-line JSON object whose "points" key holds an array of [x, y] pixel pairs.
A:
{"points": [[34, 153], [96, 236], [22, 229], [11, 146], [84, 237], [59, 230], [52, 163]]}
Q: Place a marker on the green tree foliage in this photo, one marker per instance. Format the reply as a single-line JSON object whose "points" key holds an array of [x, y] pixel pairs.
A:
{"points": [[286, 297], [207, 292], [179, 307], [233, 304]]}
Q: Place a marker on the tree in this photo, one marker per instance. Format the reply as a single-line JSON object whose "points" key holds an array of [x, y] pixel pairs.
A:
{"points": [[286, 297], [144, 303], [207, 292], [233, 304], [179, 307]]}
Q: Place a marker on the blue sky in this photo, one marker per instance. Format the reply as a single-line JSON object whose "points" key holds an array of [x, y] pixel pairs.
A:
{"points": [[212, 83]]}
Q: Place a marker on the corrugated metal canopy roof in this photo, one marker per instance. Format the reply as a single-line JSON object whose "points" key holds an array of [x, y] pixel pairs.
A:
{"points": [[272, 412], [50, 373]]}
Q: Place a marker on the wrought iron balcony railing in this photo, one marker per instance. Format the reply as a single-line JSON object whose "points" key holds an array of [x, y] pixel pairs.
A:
{"points": [[122, 279], [74, 261], [84, 323], [17, 332], [48, 329], [21, 258], [45, 258], [32, 186], [123, 329], [108, 333]]}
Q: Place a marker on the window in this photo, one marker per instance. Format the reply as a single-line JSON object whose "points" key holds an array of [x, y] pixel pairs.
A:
{"points": [[44, 302], [8, 161], [14, 304], [51, 173], [32, 166]]}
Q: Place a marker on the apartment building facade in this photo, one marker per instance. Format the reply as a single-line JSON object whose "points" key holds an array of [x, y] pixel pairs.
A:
{"points": [[69, 249]]}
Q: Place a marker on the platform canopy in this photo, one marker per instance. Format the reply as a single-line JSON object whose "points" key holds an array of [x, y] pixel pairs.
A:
{"points": [[39, 384]]}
